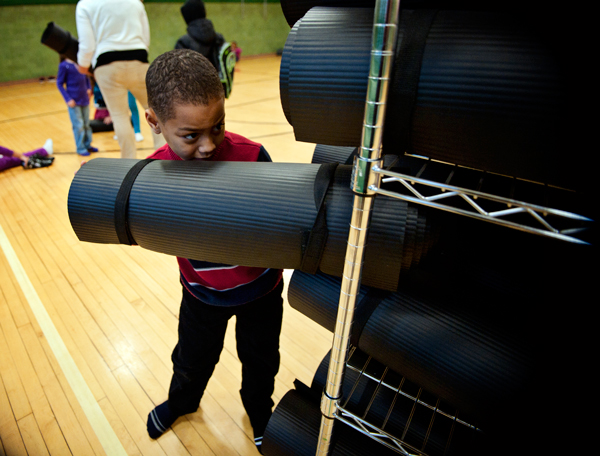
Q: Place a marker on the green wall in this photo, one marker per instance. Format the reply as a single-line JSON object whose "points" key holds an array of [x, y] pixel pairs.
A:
{"points": [[258, 28]]}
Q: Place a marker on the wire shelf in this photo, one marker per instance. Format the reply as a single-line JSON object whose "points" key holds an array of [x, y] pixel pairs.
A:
{"points": [[400, 415], [488, 197]]}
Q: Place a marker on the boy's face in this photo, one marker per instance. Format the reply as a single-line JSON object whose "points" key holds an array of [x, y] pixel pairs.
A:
{"points": [[195, 131]]}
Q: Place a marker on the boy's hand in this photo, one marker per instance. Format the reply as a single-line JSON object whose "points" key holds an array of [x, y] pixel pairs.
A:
{"points": [[71, 103], [83, 70], [82, 163]]}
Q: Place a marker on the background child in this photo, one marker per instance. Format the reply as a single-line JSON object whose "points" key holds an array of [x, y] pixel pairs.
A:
{"points": [[37, 158], [76, 90], [238, 50], [186, 104], [135, 117], [201, 35], [102, 120]]}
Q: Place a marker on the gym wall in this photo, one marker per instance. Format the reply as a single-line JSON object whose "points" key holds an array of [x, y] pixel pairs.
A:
{"points": [[258, 28]]}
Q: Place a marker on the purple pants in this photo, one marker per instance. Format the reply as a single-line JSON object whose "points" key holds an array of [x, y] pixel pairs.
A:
{"points": [[8, 160]]}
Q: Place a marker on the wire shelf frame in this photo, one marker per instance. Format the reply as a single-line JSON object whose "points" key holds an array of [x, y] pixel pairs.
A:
{"points": [[382, 379], [490, 207]]}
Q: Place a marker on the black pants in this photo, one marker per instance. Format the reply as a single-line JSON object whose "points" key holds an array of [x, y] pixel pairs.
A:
{"points": [[201, 335]]}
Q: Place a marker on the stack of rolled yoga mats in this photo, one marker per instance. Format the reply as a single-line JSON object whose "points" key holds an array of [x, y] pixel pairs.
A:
{"points": [[468, 323], [456, 309], [488, 94], [475, 325]]}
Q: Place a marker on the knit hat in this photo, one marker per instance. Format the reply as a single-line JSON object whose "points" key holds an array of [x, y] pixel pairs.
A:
{"points": [[193, 9]]}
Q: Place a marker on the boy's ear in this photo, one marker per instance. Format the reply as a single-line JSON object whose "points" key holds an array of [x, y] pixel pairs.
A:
{"points": [[152, 121]]}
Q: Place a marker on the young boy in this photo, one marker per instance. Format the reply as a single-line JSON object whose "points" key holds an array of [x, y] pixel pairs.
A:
{"points": [[186, 104]]}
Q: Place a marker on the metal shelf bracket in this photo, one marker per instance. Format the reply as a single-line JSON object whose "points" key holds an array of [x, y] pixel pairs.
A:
{"points": [[538, 221]]}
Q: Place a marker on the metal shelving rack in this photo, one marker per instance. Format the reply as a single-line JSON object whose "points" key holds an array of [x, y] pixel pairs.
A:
{"points": [[367, 178]]}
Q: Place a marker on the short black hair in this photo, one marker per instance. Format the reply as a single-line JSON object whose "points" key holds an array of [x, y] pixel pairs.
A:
{"points": [[181, 76]]}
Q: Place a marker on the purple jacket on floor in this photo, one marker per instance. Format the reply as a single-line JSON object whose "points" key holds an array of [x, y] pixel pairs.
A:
{"points": [[9, 160]]}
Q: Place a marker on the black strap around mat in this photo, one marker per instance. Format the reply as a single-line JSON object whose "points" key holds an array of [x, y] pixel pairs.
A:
{"points": [[315, 244], [407, 70], [122, 203]]}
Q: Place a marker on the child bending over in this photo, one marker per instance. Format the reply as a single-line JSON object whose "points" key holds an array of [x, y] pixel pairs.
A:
{"points": [[186, 104]]}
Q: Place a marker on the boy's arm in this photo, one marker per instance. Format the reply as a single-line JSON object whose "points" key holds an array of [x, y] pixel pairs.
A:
{"points": [[85, 33], [145, 28], [88, 85]]}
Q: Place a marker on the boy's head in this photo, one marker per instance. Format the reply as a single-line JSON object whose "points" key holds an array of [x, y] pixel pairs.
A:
{"points": [[186, 103]]}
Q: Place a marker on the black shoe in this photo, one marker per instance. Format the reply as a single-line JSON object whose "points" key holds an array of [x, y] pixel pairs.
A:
{"points": [[38, 161]]}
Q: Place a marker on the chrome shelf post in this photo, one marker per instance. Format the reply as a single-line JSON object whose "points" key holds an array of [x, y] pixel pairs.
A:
{"points": [[385, 28]]}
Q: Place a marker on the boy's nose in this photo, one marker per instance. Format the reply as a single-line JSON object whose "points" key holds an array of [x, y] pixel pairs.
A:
{"points": [[206, 145]]}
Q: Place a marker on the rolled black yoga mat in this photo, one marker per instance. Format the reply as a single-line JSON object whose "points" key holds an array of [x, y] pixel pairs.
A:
{"points": [[294, 430], [343, 155], [330, 154], [293, 10], [443, 343], [399, 414], [98, 125], [490, 92], [252, 214], [336, 98], [60, 41], [284, 71]]}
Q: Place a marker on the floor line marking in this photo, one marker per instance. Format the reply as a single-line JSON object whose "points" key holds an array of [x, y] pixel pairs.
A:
{"points": [[106, 435]]}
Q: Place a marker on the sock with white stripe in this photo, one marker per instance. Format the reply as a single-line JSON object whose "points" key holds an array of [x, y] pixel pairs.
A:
{"points": [[159, 420], [258, 443]]}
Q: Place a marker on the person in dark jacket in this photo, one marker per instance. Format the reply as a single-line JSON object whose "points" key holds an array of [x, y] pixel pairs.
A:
{"points": [[201, 36]]}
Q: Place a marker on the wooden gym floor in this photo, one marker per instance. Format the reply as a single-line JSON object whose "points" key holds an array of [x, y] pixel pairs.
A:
{"points": [[87, 330]]}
